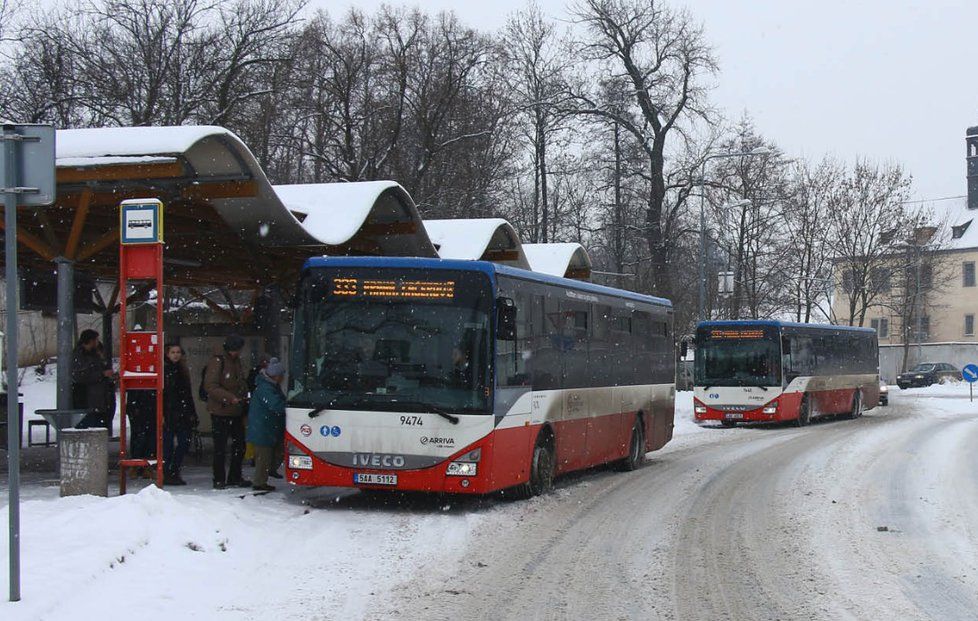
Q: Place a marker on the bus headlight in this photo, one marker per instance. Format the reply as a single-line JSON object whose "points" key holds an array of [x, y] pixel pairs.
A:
{"points": [[771, 408], [300, 462], [462, 469], [700, 409]]}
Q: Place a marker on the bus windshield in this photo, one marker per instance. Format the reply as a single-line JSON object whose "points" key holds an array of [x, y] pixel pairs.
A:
{"points": [[733, 357], [396, 340]]}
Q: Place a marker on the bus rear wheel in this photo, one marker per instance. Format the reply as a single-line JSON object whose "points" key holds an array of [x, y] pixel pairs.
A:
{"points": [[541, 472], [804, 412], [857, 405], [636, 449]]}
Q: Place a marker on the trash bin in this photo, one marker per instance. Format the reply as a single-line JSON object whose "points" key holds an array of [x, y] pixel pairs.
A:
{"points": [[84, 461]]}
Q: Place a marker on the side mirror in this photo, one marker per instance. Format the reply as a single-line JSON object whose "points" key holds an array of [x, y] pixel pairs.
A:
{"points": [[505, 319], [785, 346], [683, 350]]}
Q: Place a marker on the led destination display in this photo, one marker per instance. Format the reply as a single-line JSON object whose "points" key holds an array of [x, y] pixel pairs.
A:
{"points": [[393, 289]]}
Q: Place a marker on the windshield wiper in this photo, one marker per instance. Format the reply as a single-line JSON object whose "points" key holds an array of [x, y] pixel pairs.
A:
{"points": [[427, 407]]}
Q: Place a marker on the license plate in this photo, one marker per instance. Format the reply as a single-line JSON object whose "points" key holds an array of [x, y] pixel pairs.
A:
{"points": [[363, 478], [734, 416]]}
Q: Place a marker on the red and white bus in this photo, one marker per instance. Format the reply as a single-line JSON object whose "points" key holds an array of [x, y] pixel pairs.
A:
{"points": [[470, 377], [772, 371]]}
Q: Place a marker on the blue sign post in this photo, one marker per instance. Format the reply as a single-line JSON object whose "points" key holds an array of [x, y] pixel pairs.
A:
{"points": [[970, 375]]}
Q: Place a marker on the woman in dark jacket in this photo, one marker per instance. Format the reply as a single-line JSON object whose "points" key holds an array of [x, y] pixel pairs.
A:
{"points": [[179, 413], [90, 377]]}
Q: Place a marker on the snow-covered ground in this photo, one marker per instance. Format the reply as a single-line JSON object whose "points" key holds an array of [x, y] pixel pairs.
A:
{"points": [[199, 553]]}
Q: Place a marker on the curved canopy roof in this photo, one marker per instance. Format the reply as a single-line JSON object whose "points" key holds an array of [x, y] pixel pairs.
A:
{"points": [[226, 224], [569, 260], [487, 239]]}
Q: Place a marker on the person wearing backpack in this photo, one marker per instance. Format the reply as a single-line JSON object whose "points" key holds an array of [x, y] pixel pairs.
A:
{"points": [[227, 391]]}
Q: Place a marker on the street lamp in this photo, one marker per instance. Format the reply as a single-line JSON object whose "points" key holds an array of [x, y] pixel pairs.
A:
{"points": [[759, 151]]}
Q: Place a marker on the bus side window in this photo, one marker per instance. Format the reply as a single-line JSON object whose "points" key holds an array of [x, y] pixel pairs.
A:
{"points": [[512, 354]]}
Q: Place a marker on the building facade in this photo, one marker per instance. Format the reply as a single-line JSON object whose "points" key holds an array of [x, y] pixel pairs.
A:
{"points": [[926, 304]]}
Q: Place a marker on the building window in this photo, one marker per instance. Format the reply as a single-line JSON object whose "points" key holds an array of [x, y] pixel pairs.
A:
{"points": [[924, 332], [882, 327], [969, 325], [968, 273], [957, 232]]}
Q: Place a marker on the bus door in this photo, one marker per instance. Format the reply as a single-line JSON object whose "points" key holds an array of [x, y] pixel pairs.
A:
{"points": [[604, 421], [572, 443]]}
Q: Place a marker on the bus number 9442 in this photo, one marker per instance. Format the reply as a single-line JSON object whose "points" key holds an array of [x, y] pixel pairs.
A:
{"points": [[412, 420]]}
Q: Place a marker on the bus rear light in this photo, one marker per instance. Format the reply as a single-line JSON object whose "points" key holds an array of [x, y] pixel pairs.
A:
{"points": [[771, 408], [300, 462], [462, 469]]}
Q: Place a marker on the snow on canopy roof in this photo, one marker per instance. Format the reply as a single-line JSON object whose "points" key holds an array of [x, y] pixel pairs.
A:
{"points": [[569, 260], [132, 141], [336, 212], [490, 239], [329, 214]]}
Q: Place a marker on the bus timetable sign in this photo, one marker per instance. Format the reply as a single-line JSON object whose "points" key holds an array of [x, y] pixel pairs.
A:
{"points": [[142, 221]]}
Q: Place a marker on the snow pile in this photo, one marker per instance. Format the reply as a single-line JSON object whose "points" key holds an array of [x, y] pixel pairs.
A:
{"points": [[950, 399], [214, 555], [684, 423]]}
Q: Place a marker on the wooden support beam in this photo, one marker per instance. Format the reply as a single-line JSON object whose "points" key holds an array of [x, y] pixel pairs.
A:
{"points": [[47, 228], [120, 172], [221, 189], [78, 224], [33, 242], [104, 241], [382, 229], [214, 306]]}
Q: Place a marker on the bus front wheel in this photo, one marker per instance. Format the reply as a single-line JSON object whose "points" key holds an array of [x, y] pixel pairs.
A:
{"points": [[541, 471], [804, 412]]}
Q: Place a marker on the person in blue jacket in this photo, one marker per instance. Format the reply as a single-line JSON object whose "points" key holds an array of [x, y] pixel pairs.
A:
{"points": [[266, 422]]}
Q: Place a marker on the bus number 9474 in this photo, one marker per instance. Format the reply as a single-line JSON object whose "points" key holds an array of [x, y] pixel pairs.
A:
{"points": [[412, 420]]}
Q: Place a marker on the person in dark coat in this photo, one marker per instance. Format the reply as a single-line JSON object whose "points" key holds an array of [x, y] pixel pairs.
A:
{"points": [[141, 412], [227, 390], [179, 413], [89, 378], [266, 421]]}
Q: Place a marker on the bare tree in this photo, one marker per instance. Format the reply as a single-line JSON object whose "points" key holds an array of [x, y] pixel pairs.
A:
{"points": [[806, 220], [662, 53], [866, 221], [536, 61]]}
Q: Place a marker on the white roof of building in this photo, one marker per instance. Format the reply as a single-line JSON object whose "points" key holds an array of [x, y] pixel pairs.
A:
{"points": [[954, 212], [557, 259], [475, 239]]}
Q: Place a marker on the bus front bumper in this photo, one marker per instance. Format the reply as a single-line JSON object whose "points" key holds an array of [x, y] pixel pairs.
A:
{"points": [[768, 413], [434, 479]]}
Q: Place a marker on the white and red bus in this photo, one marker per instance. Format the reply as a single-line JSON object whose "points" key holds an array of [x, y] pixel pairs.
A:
{"points": [[772, 371], [470, 377]]}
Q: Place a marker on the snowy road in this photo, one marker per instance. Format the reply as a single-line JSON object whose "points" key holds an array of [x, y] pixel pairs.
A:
{"points": [[763, 523], [745, 524]]}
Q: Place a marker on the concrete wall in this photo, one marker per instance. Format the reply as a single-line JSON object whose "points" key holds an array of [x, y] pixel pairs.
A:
{"points": [[958, 354]]}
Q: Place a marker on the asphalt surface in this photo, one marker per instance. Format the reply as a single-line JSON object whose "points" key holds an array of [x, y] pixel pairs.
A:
{"points": [[875, 518]]}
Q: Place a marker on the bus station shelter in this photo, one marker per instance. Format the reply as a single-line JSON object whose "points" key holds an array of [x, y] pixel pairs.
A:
{"points": [[226, 226]]}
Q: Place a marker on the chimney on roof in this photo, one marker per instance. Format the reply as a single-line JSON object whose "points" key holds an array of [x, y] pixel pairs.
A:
{"points": [[971, 138]]}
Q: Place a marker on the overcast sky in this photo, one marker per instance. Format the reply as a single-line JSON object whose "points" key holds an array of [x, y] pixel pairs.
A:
{"points": [[888, 79]]}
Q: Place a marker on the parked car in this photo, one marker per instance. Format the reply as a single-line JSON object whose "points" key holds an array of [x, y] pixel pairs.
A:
{"points": [[927, 373], [884, 393]]}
